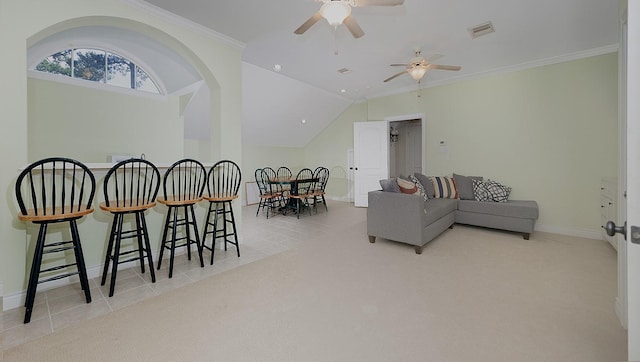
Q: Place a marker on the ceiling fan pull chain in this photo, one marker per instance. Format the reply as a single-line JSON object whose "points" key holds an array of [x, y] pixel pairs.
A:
{"points": [[335, 41]]}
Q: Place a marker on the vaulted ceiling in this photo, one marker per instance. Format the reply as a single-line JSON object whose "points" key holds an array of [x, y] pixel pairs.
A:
{"points": [[311, 87]]}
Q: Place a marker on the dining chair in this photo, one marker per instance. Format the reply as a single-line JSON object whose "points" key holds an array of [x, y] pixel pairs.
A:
{"points": [[273, 175], [284, 173], [302, 190], [321, 175], [130, 189], [269, 199], [223, 183], [49, 191], [183, 184]]}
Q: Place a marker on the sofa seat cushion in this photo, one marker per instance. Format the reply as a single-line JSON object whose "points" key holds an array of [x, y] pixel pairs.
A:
{"points": [[435, 209], [513, 208]]}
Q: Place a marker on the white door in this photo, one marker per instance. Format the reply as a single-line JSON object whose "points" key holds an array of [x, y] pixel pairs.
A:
{"points": [[370, 158], [633, 179]]}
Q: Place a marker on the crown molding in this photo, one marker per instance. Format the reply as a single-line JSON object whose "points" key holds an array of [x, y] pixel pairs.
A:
{"points": [[180, 21], [514, 68]]}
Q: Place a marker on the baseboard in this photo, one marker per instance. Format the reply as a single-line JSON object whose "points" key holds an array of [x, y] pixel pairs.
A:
{"points": [[582, 233]]}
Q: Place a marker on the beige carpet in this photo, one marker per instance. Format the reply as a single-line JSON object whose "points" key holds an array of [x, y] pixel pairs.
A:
{"points": [[473, 295]]}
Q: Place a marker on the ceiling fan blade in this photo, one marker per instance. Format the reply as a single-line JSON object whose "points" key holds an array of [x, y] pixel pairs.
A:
{"points": [[307, 24], [378, 2], [352, 25], [399, 65], [395, 76], [444, 67]]}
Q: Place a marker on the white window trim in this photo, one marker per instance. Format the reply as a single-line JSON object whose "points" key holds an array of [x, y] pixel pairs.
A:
{"points": [[92, 84]]}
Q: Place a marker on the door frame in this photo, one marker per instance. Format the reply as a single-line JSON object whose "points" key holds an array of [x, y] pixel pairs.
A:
{"points": [[423, 123]]}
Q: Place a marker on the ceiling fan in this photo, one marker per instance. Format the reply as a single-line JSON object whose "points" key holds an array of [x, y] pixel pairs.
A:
{"points": [[339, 11], [418, 67]]}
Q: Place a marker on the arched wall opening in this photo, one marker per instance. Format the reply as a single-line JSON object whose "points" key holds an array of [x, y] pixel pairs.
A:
{"points": [[93, 124]]}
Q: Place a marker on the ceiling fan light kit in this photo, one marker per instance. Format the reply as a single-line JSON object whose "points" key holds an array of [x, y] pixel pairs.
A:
{"points": [[338, 12], [335, 12]]}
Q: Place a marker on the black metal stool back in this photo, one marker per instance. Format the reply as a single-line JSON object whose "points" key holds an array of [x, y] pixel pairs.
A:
{"points": [[130, 187], [223, 183], [284, 173], [55, 190], [183, 184]]}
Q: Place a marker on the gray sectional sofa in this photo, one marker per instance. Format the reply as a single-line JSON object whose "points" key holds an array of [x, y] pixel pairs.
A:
{"points": [[413, 220]]}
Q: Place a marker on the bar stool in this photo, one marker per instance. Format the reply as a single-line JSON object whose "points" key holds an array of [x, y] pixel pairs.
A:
{"points": [[130, 188], [183, 184], [55, 190], [223, 183]]}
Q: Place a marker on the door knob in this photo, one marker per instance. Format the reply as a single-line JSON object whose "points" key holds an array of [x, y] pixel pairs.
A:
{"points": [[612, 229]]}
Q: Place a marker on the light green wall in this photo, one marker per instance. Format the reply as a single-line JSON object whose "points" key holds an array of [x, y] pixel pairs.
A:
{"points": [[548, 132], [254, 157], [25, 22], [63, 120], [329, 149]]}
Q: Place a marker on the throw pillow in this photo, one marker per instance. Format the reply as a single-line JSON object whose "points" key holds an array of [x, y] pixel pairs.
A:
{"points": [[464, 186], [445, 187], [498, 192], [407, 187], [480, 192], [421, 191], [390, 185], [427, 184]]}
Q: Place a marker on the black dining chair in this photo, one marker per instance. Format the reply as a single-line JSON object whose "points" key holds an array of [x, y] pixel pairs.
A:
{"points": [[302, 190], [284, 173], [321, 175], [130, 188], [223, 183], [49, 191], [269, 198], [182, 185]]}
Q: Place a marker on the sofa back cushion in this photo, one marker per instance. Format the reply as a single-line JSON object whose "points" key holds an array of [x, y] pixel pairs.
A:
{"points": [[426, 184], [390, 185], [464, 185]]}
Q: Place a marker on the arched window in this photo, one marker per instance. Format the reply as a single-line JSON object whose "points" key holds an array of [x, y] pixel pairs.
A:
{"points": [[98, 66]]}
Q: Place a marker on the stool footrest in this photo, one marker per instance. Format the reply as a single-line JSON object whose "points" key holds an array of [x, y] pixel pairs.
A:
{"points": [[57, 276]]}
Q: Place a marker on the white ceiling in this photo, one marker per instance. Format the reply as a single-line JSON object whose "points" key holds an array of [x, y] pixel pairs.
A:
{"points": [[528, 33]]}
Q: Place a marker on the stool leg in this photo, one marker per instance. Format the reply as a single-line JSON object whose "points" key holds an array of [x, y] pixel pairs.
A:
{"points": [[187, 233], [147, 246], [164, 237], [233, 225], [107, 259], [116, 255], [197, 236], [139, 232], [35, 272], [206, 232], [173, 240], [84, 281]]}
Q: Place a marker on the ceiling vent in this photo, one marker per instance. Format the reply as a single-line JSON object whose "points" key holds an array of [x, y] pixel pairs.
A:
{"points": [[482, 29], [344, 70]]}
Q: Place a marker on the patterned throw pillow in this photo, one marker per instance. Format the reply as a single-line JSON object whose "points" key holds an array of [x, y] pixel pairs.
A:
{"points": [[490, 191], [407, 187], [498, 192], [445, 187], [480, 192], [421, 191]]}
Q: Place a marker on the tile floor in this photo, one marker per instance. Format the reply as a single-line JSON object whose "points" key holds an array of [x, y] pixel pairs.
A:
{"points": [[63, 306]]}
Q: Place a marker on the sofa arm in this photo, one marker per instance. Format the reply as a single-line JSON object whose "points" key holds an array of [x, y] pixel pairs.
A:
{"points": [[396, 216]]}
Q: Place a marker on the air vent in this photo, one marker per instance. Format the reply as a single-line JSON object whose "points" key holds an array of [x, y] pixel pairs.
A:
{"points": [[344, 70], [482, 29]]}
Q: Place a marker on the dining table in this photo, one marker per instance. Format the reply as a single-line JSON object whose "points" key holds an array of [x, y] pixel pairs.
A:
{"points": [[293, 183]]}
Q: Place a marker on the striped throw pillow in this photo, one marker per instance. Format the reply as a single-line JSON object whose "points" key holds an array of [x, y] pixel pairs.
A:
{"points": [[445, 187]]}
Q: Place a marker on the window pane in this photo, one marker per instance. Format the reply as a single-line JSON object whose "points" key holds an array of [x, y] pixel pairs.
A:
{"points": [[89, 64], [144, 82], [58, 63], [119, 71]]}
